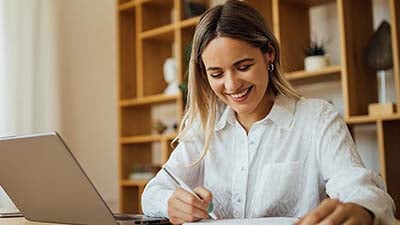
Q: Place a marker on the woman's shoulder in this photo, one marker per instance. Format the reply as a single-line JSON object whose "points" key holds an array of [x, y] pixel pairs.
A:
{"points": [[315, 111], [314, 105], [192, 130]]}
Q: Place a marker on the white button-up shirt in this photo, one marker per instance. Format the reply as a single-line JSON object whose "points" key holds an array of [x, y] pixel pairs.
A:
{"points": [[284, 166]]}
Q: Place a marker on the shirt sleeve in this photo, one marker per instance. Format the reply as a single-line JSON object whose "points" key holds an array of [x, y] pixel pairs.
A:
{"points": [[343, 172], [157, 192]]}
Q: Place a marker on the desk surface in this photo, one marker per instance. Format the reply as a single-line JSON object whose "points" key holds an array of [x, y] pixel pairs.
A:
{"points": [[23, 221], [20, 221]]}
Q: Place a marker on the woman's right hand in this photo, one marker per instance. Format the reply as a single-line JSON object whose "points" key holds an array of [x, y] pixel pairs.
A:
{"points": [[185, 207]]}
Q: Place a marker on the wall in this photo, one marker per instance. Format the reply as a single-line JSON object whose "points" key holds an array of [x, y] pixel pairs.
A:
{"points": [[87, 77]]}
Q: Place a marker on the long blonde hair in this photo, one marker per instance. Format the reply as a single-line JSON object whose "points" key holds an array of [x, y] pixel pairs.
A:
{"points": [[235, 20]]}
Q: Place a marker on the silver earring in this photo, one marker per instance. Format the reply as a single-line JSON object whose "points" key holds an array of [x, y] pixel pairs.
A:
{"points": [[271, 67]]}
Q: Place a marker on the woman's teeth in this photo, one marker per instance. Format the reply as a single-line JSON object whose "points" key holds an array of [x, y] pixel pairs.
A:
{"points": [[241, 94]]}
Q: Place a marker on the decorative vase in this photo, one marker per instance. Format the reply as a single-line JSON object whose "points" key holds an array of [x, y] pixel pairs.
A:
{"points": [[315, 62], [170, 71]]}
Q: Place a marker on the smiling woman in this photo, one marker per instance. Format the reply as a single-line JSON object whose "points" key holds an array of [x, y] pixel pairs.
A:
{"points": [[251, 146]]}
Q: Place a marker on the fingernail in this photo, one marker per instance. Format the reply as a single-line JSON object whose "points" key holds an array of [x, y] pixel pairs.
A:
{"points": [[210, 207]]}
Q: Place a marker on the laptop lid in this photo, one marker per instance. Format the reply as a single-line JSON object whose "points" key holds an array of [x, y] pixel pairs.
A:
{"points": [[47, 184]]}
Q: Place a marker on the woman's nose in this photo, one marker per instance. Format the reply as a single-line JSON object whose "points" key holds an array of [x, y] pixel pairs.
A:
{"points": [[232, 83]]}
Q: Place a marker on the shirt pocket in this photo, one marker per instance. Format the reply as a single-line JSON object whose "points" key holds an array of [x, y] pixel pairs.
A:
{"points": [[278, 189]]}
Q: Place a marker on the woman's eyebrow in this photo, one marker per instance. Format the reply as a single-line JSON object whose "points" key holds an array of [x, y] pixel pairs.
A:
{"points": [[213, 68], [244, 60], [235, 64]]}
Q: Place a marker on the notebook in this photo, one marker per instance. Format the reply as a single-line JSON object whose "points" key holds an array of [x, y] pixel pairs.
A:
{"points": [[47, 184], [250, 221]]}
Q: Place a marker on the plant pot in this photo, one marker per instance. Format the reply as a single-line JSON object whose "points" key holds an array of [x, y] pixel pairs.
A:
{"points": [[315, 62]]}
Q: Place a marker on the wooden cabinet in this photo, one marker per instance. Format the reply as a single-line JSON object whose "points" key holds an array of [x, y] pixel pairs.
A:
{"points": [[150, 31]]}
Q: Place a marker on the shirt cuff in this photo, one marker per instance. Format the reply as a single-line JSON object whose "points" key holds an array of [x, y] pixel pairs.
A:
{"points": [[164, 203], [380, 217]]}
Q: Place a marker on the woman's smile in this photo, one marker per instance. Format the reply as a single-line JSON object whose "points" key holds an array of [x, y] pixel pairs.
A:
{"points": [[240, 96]]}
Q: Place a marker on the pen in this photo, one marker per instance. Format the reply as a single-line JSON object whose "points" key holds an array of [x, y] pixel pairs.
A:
{"points": [[186, 187]]}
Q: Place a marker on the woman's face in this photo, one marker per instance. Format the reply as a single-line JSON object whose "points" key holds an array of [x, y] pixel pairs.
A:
{"points": [[238, 75]]}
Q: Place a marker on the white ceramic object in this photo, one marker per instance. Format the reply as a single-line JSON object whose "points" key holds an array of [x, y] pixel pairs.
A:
{"points": [[316, 62], [170, 70]]}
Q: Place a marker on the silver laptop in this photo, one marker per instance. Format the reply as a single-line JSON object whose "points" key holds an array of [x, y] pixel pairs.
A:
{"points": [[47, 184]]}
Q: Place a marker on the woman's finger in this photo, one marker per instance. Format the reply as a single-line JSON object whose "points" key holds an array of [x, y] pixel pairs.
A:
{"points": [[318, 214], [204, 194], [175, 220], [190, 199], [338, 216], [189, 209], [186, 217], [351, 221]]}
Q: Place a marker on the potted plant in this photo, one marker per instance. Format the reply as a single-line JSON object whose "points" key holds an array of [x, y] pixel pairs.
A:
{"points": [[315, 56], [159, 127]]}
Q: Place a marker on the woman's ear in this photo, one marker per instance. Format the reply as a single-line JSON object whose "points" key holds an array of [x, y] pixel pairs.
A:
{"points": [[270, 53]]}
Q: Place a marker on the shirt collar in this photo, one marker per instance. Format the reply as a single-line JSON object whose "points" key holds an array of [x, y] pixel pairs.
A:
{"points": [[227, 116], [282, 111], [281, 114]]}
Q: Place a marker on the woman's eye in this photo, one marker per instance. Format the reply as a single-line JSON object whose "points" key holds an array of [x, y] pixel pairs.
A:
{"points": [[244, 68], [216, 75]]}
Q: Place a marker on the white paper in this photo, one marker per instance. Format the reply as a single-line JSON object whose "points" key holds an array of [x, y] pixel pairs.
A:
{"points": [[253, 221]]}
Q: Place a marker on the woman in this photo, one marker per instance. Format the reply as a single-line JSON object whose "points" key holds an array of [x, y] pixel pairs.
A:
{"points": [[252, 146]]}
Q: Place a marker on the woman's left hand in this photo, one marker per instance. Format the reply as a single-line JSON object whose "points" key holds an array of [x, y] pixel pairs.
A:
{"points": [[332, 212]]}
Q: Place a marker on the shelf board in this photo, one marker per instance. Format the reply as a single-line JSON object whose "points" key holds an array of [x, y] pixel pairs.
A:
{"points": [[146, 138], [302, 74], [360, 119], [189, 22], [159, 3], [143, 1], [165, 33], [133, 183], [170, 137], [310, 3], [148, 100], [366, 119], [126, 6]]}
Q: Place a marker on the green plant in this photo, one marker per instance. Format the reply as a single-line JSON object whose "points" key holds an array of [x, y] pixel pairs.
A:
{"points": [[159, 126], [184, 85], [315, 49]]}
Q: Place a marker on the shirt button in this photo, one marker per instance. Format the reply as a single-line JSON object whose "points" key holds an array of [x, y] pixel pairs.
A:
{"points": [[251, 142], [242, 168], [239, 200]]}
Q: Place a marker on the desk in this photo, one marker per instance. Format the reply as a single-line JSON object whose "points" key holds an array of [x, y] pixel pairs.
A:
{"points": [[23, 221], [20, 221]]}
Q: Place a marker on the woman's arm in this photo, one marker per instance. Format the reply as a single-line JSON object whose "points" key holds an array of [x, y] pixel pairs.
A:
{"points": [[360, 194], [160, 189]]}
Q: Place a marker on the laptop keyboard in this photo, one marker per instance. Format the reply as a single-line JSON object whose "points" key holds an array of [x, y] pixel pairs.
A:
{"points": [[140, 219], [125, 217]]}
